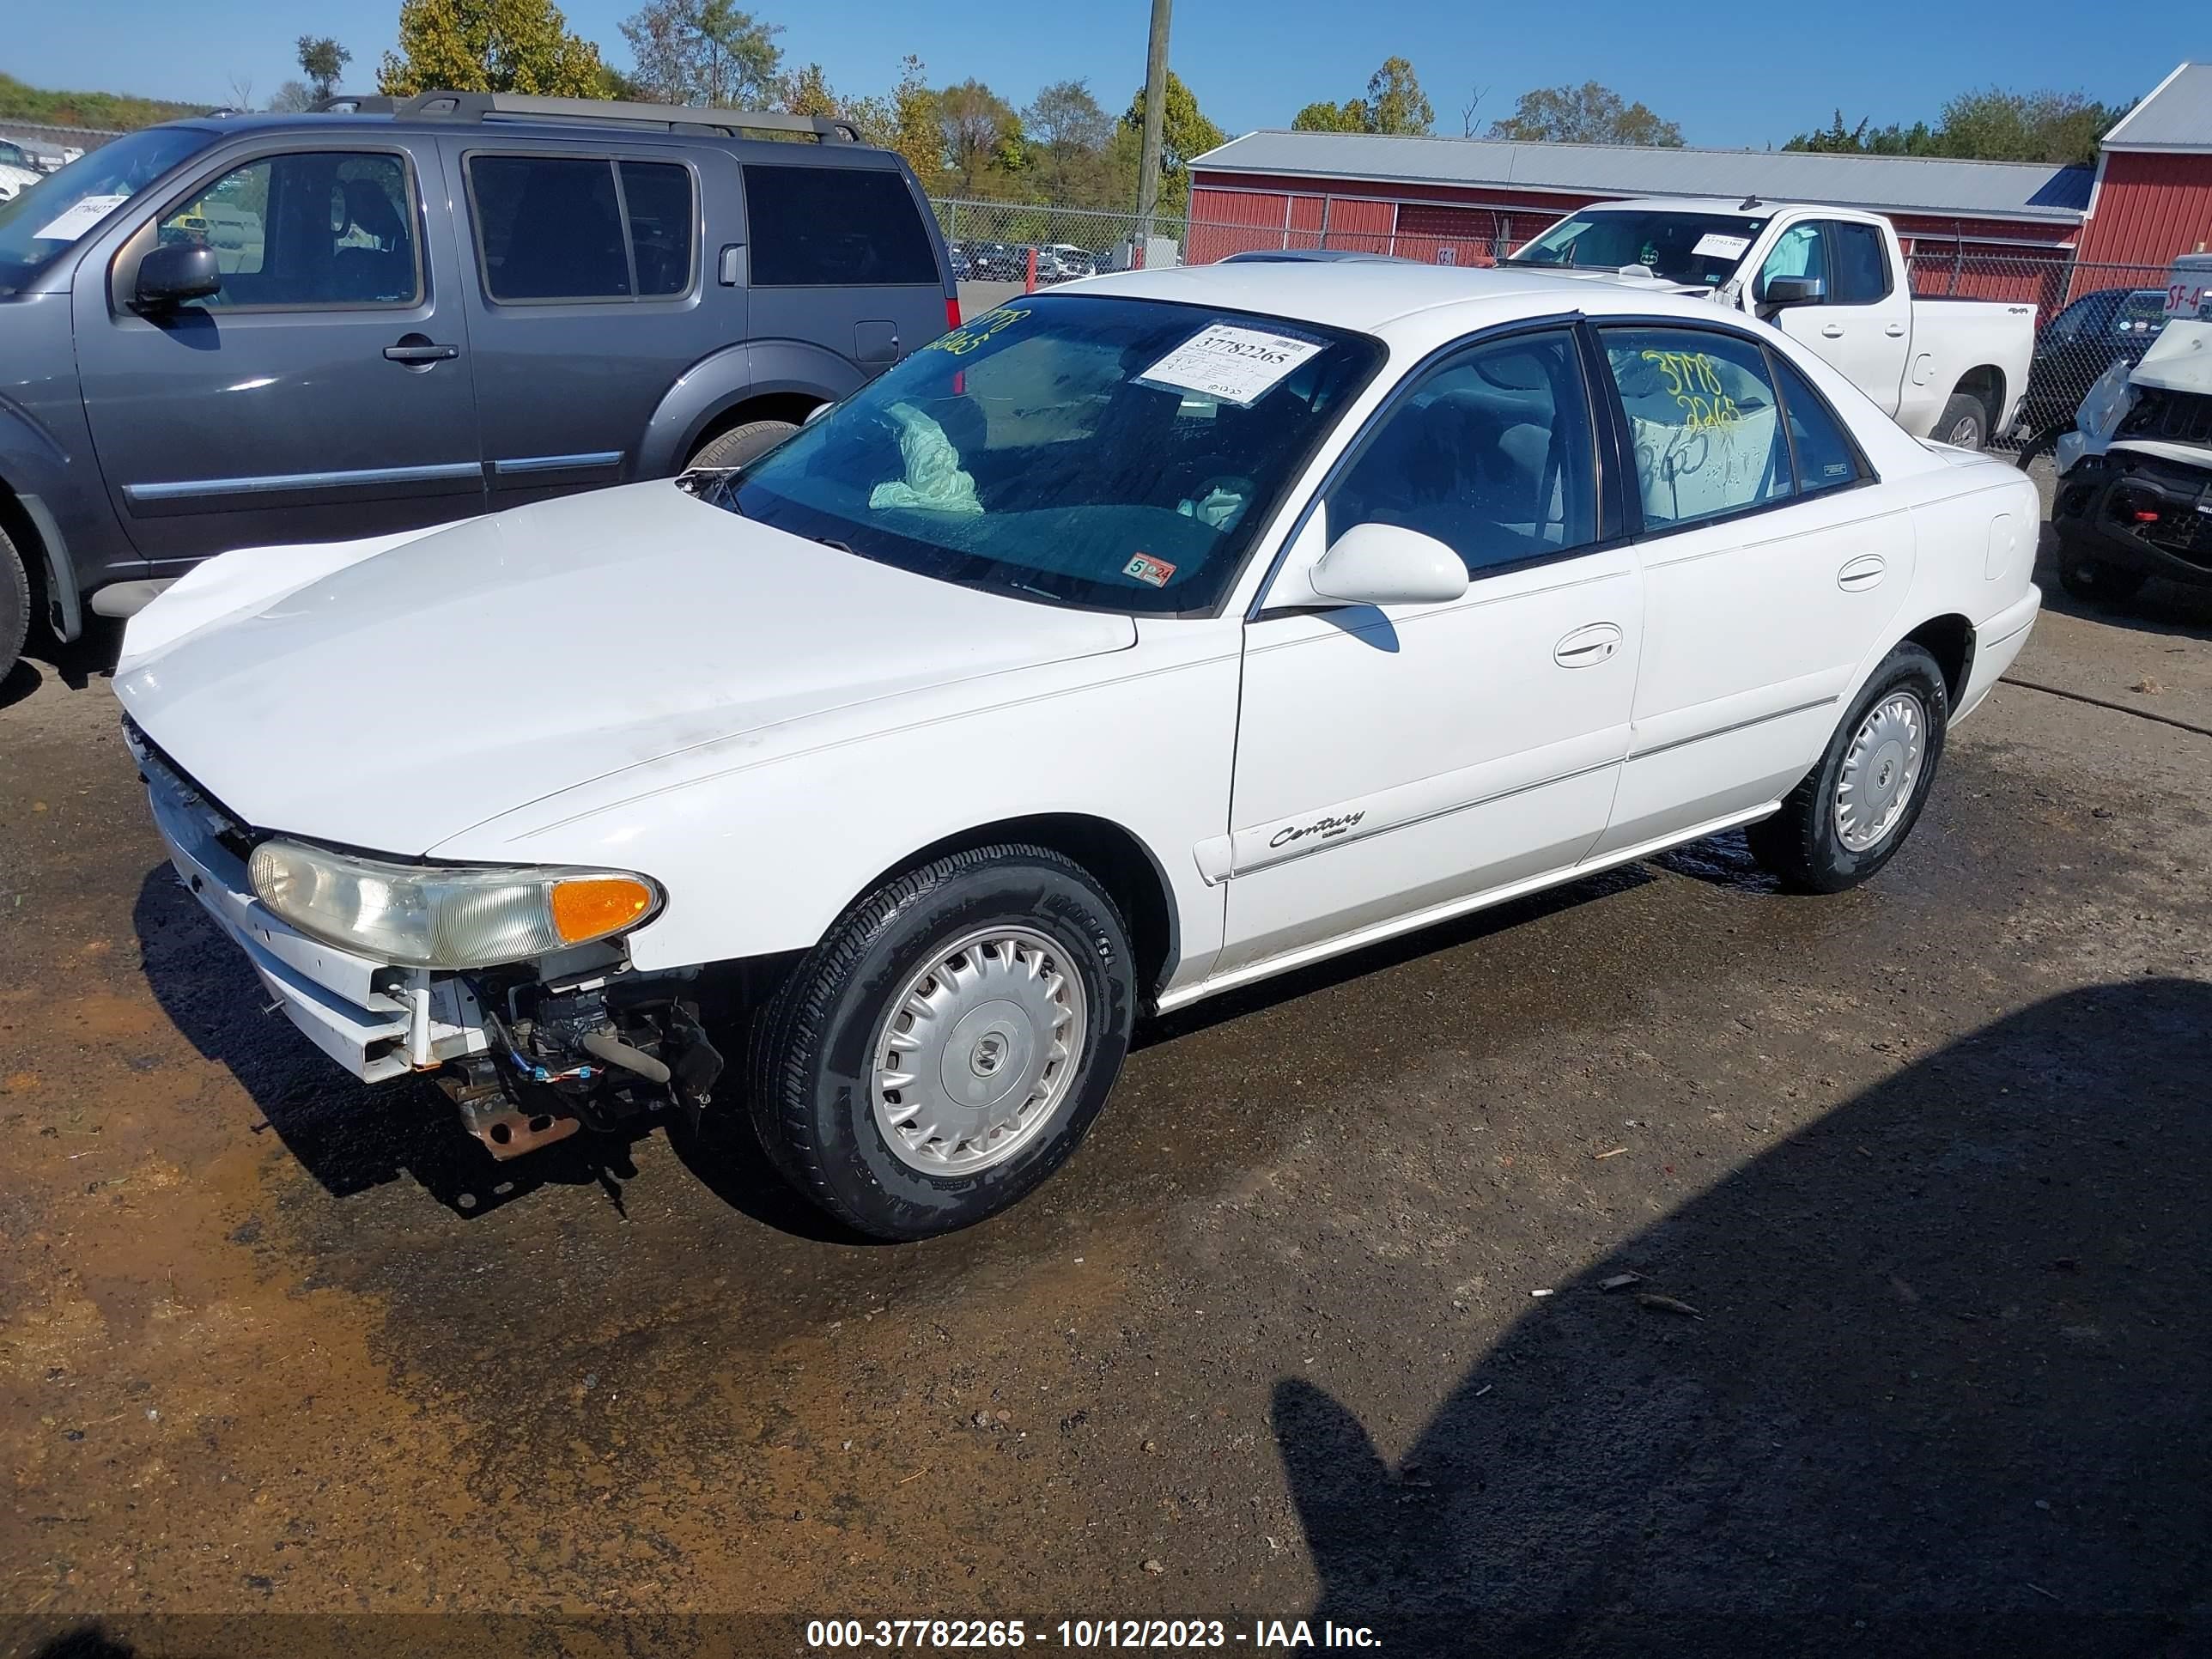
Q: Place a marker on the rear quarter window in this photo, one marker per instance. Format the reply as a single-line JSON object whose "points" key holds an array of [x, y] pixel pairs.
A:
{"points": [[820, 227]]}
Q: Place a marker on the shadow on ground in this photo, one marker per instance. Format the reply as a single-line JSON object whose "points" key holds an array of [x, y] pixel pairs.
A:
{"points": [[1944, 1393]]}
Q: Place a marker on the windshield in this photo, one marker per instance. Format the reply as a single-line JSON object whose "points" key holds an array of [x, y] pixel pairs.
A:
{"points": [[48, 218], [1676, 247], [1092, 450]]}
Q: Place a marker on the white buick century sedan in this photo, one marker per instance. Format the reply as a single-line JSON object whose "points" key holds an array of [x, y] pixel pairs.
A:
{"points": [[1131, 642]]}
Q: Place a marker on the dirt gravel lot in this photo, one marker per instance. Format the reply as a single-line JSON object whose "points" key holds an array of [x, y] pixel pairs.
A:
{"points": [[1310, 1328]]}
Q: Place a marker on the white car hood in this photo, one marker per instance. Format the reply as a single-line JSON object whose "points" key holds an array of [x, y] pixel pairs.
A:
{"points": [[405, 694]]}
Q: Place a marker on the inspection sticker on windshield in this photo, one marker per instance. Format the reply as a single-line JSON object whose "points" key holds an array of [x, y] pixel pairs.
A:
{"points": [[1714, 245], [1154, 573], [79, 217], [1232, 365]]}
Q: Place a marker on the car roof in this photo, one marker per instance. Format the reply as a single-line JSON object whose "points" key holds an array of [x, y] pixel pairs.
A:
{"points": [[1399, 299], [576, 132]]}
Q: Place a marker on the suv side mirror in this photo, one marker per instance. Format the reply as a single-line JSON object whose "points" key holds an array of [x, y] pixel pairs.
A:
{"points": [[1388, 564], [174, 272], [1792, 291]]}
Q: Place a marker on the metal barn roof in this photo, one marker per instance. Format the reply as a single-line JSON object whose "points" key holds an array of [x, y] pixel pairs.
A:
{"points": [[2177, 115], [2009, 190]]}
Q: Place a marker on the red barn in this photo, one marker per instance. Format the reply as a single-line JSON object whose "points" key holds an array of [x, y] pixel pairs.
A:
{"points": [[1983, 229]]}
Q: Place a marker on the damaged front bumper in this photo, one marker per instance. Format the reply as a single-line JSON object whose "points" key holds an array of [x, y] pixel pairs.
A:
{"points": [[2138, 512], [528, 1054]]}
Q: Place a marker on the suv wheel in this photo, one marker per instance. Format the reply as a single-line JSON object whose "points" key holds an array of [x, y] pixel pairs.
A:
{"points": [[1853, 810], [14, 605], [944, 1048], [741, 444]]}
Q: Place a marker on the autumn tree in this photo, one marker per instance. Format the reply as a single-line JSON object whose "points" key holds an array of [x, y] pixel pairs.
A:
{"points": [[703, 52], [1068, 133], [982, 134], [1586, 114], [322, 60], [490, 46]]}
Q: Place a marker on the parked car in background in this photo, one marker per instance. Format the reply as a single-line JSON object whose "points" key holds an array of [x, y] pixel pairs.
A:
{"points": [[991, 262], [1132, 643], [1063, 262], [2074, 349], [240, 329], [18, 171], [1833, 277]]}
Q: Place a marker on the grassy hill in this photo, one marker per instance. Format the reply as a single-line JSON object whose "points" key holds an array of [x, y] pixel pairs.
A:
{"points": [[115, 111]]}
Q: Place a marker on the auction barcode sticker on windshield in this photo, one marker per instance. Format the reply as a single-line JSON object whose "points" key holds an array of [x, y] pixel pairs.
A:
{"points": [[1714, 245], [1233, 365], [79, 217]]}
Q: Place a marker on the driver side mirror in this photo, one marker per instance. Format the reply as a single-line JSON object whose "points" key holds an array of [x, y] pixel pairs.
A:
{"points": [[174, 272], [1792, 291], [1372, 564]]}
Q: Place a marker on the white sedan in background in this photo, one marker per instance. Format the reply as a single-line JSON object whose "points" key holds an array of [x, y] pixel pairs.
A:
{"points": [[1132, 643]]}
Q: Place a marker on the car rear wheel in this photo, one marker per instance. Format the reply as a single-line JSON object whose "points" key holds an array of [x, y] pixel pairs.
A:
{"points": [[14, 605], [945, 1046], [1853, 811], [741, 444], [2095, 581], [1965, 422]]}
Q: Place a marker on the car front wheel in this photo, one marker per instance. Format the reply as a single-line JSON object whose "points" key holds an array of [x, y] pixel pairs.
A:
{"points": [[1853, 810], [943, 1050]]}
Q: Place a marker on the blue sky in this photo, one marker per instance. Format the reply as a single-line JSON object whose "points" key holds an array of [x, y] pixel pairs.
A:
{"points": [[1745, 78]]}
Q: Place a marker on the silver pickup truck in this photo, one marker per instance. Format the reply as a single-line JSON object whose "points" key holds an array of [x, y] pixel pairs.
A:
{"points": [[1833, 277]]}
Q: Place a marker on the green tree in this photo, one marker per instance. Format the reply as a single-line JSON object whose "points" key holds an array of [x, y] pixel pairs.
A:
{"points": [[322, 60], [1836, 139], [704, 51], [1184, 132], [490, 46], [982, 135], [1394, 103], [1990, 126], [1068, 133], [1586, 114]]}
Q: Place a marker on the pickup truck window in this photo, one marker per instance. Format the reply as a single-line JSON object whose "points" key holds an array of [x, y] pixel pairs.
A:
{"points": [[1491, 454], [39, 226], [1703, 420], [322, 228], [1118, 454], [1858, 264], [551, 227], [1676, 247]]}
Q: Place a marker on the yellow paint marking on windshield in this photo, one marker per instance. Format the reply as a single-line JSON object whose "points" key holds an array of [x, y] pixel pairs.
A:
{"points": [[972, 333], [1695, 386]]}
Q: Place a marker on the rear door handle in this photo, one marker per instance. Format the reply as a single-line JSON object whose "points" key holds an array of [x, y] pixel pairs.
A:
{"points": [[1587, 647], [1895, 330], [1832, 331], [414, 349], [1865, 571]]}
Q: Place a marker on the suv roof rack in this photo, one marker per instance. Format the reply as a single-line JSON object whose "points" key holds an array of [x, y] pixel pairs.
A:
{"points": [[673, 118]]}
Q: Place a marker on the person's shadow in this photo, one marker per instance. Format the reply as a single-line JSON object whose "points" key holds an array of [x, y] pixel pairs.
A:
{"points": [[1947, 1390]]}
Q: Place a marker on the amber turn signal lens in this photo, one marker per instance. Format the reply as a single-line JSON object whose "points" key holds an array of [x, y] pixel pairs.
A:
{"points": [[595, 906]]}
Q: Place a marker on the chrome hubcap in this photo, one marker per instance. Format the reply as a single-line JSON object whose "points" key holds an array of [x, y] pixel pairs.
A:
{"points": [[1880, 770], [978, 1052]]}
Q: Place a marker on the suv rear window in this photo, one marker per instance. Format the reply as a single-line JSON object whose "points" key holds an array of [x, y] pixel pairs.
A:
{"points": [[552, 227], [815, 227]]}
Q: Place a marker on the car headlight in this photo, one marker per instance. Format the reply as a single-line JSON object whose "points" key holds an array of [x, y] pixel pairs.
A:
{"points": [[448, 916]]}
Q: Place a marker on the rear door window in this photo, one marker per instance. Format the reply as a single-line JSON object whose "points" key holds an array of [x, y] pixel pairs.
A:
{"points": [[552, 227], [820, 227]]}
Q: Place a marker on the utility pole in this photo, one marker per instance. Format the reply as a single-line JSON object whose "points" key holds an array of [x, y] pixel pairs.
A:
{"points": [[1156, 109]]}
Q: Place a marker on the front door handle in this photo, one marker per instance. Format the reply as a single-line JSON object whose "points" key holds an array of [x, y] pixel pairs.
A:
{"points": [[420, 351], [1587, 647], [1863, 572], [1832, 331]]}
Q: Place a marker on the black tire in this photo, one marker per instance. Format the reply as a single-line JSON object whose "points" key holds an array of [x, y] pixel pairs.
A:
{"points": [[14, 605], [1802, 844], [2097, 581], [741, 444], [1965, 422], [812, 1098]]}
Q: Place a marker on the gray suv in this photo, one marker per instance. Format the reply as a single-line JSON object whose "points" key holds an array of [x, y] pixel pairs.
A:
{"points": [[243, 330]]}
